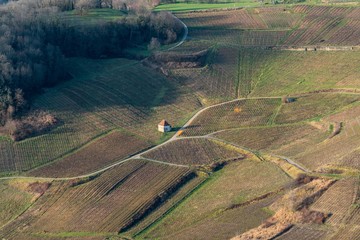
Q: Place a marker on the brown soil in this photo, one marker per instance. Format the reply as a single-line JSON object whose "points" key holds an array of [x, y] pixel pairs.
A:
{"points": [[175, 60]]}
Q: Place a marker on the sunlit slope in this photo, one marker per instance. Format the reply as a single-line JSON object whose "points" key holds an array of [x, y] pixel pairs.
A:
{"points": [[103, 95]]}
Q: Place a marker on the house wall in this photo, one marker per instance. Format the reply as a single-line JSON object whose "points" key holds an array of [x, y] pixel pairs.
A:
{"points": [[164, 128]]}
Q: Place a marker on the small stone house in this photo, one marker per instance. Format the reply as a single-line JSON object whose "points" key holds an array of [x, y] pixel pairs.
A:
{"points": [[164, 126]]}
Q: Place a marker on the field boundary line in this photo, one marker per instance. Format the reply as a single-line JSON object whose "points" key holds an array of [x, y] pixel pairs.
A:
{"points": [[161, 162], [273, 117], [259, 155], [292, 163], [261, 158], [212, 106], [176, 137]]}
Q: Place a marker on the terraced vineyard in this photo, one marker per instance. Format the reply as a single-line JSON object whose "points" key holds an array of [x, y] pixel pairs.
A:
{"points": [[326, 25], [307, 71], [97, 154], [304, 232], [314, 106], [338, 201], [351, 160], [246, 162], [184, 192], [113, 201], [102, 96], [211, 205], [217, 82], [240, 113], [332, 151], [275, 139], [299, 25], [254, 72], [196, 151], [13, 202]]}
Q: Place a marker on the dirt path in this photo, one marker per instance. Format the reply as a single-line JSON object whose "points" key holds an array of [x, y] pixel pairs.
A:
{"points": [[216, 105], [176, 137], [186, 32]]}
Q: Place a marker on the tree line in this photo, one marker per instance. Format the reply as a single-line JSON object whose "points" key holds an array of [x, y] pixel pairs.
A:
{"points": [[35, 40]]}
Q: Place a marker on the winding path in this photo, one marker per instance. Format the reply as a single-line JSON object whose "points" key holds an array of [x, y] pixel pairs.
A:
{"points": [[186, 32], [176, 137]]}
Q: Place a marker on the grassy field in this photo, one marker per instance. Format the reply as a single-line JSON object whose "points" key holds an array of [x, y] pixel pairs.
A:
{"points": [[13, 201], [91, 16], [183, 7], [204, 215]]}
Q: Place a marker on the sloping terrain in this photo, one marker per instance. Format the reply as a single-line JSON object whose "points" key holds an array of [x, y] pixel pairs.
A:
{"points": [[265, 140], [194, 151], [224, 206], [103, 203], [103, 96]]}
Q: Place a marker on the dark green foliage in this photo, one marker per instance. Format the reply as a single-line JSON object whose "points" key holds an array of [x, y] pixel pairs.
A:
{"points": [[35, 38]]}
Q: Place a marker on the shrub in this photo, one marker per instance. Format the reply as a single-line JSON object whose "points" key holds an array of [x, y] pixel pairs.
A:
{"points": [[34, 124]]}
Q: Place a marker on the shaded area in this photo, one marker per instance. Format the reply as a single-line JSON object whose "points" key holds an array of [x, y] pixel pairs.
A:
{"points": [[103, 95]]}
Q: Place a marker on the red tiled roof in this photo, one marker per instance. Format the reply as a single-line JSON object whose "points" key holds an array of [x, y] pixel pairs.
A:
{"points": [[164, 123]]}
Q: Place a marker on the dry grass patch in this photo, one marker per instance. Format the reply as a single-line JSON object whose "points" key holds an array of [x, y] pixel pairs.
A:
{"points": [[292, 208], [13, 201]]}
